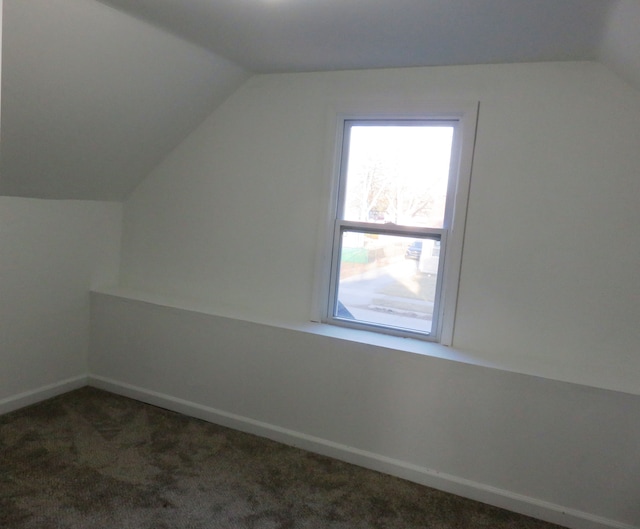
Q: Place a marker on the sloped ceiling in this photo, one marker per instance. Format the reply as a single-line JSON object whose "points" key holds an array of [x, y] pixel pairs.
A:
{"points": [[308, 35], [96, 93], [92, 99]]}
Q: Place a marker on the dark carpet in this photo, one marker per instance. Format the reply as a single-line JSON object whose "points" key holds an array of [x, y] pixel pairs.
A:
{"points": [[91, 459]]}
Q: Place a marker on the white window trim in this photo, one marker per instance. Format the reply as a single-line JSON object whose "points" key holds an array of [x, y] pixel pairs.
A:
{"points": [[466, 114]]}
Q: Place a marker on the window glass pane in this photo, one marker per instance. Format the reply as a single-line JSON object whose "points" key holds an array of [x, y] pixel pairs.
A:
{"points": [[388, 280], [398, 173]]}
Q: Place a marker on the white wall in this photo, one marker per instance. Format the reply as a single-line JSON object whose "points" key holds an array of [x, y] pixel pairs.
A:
{"points": [[620, 44], [52, 253], [559, 451], [549, 285], [230, 224]]}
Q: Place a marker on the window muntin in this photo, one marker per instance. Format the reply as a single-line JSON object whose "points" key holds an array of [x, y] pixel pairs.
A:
{"points": [[394, 210]]}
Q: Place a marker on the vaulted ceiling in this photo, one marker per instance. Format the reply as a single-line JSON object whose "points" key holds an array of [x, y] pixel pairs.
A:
{"points": [[96, 93]]}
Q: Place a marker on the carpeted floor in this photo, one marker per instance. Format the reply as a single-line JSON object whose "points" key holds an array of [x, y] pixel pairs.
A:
{"points": [[91, 459]]}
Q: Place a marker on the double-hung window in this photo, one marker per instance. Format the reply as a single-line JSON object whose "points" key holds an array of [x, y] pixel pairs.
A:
{"points": [[397, 242]]}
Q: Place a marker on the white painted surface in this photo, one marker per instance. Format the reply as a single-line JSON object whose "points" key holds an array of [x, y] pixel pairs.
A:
{"points": [[234, 221], [52, 253], [275, 35], [620, 46], [33, 396], [559, 451], [234, 217], [93, 99]]}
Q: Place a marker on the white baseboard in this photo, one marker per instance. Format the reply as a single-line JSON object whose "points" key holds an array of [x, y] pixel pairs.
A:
{"points": [[542, 510], [27, 398]]}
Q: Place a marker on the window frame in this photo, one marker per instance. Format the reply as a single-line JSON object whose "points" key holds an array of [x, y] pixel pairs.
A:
{"points": [[463, 115]]}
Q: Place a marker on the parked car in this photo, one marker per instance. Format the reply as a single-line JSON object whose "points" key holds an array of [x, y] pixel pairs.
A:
{"points": [[414, 250]]}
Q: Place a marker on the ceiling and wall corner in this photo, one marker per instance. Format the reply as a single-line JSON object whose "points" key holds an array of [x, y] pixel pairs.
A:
{"points": [[95, 93]]}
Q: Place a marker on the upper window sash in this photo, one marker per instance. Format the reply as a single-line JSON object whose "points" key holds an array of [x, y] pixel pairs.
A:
{"points": [[405, 123]]}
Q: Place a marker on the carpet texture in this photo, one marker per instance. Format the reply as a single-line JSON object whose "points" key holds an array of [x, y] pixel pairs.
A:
{"points": [[91, 459]]}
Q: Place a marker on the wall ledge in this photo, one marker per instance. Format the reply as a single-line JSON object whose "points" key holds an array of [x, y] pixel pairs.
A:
{"points": [[392, 343]]}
